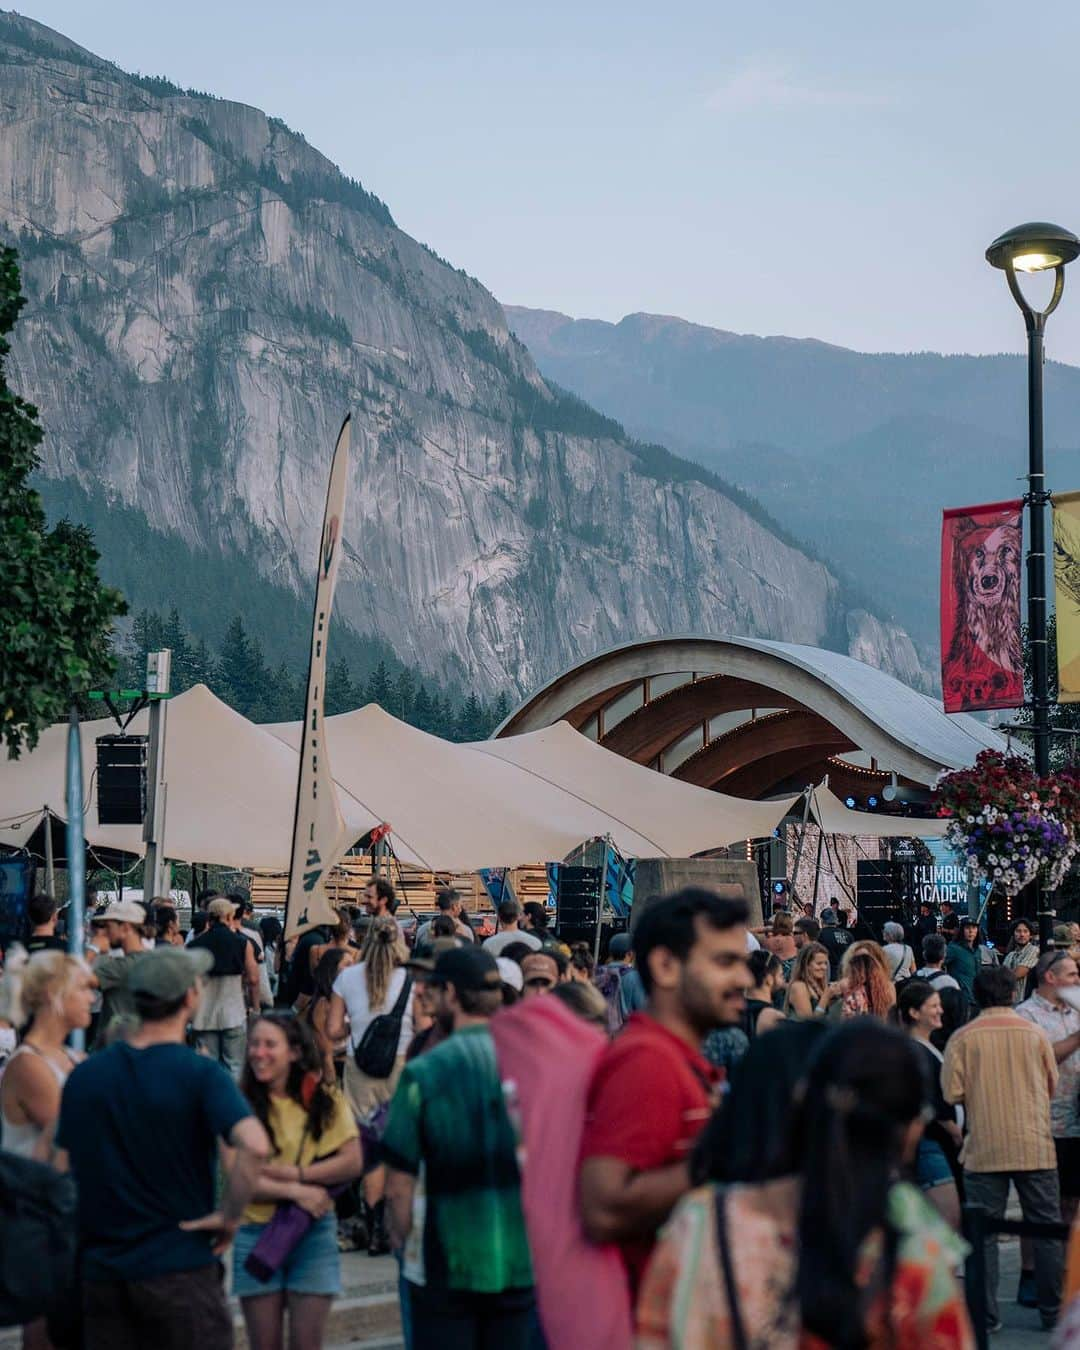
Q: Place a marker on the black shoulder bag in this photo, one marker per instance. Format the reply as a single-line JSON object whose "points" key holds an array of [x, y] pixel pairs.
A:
{"points": [[738, 1329], [37, 1252], [377, 1050]]}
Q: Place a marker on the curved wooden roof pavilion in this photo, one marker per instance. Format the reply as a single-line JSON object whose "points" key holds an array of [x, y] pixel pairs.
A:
{"points": [[755, 718]]}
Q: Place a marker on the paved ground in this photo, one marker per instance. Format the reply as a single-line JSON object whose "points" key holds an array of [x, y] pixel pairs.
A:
{"points": [[372, 1278], [366, 1317]]}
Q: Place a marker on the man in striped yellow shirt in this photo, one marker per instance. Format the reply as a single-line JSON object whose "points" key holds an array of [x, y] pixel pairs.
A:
{"points": [[1001, 1068]]}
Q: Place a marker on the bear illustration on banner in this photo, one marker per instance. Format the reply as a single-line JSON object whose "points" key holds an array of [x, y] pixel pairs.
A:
{"points": [[981, 658]]}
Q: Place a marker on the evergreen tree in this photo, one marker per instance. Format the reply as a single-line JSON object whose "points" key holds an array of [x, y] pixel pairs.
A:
{"points": [[245, 682], [380, 690], [202, 664], [341, 694], [145, 636], [283, 700], [404, 694], [500, 711], [57, 616], [472, 721], [422, 710], [441, 715], [175, 637]]}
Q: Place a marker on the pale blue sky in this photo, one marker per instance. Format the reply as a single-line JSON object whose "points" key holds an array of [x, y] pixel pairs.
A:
{"points": [[810, 168]]}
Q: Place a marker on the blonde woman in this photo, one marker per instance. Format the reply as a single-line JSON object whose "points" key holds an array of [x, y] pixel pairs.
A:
{"points": [[809, 994], [377, 986], [55, 993]]}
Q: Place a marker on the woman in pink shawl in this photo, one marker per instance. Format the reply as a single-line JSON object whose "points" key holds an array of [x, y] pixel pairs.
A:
{"points": [[546, 1061]]}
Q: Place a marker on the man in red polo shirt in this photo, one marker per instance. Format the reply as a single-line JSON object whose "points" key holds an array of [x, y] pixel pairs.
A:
{"points": [[653, 1090]]}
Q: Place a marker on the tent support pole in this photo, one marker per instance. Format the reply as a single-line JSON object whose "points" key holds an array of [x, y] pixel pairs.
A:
{"points": [[50, 867], [802, 841], [817, 864]]}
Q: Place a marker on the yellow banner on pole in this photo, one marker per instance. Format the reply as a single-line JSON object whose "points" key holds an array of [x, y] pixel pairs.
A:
{"points": [[318, 827], [1067, 593]]}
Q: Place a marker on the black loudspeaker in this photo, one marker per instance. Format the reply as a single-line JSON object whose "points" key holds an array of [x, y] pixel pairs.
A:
{"points": [[121, 780], [880, 895], [578, 896]]}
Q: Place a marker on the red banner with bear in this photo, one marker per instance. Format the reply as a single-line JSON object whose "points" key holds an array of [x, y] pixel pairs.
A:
{"points": [[981, 660]]}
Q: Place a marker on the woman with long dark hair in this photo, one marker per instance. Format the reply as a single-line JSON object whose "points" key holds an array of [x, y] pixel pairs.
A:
{"points": [[316, 1145], [835, 1254], [751, 1137], [317, 1013], [919, 1012], [767, 972]]}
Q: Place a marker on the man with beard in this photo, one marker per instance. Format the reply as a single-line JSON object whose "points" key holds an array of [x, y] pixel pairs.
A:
{"points": [[453, 1189], [654, 1090]]}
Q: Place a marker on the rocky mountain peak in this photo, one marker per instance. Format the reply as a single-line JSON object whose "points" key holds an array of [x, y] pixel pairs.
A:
{"points": [[208, 295]]}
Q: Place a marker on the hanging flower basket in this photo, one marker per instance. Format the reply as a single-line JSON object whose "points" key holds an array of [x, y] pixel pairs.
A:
{"points": [[1010, 826]]}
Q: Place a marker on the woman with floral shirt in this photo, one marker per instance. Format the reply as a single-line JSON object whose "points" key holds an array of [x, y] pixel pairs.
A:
{"points": [[840, 1254]]}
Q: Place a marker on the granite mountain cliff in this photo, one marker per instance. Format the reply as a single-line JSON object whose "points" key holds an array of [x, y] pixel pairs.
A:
{"points": [[208, 294]]}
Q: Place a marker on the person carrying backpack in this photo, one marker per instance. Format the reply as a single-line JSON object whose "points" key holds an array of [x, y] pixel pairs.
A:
{"points": [[373, 1001], [954, 1005], [620, 983]]}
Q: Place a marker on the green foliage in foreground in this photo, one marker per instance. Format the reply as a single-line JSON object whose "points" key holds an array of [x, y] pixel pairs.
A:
{"points": [[56, 614]]}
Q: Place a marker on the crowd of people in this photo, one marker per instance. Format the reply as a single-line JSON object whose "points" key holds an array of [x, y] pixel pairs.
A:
{"points": [[715, 1136]]}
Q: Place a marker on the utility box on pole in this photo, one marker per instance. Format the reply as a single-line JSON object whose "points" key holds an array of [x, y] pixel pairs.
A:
{"points": [[158, 669]]}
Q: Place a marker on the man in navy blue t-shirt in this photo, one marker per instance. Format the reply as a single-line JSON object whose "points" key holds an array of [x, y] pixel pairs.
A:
{"points": [[139, 1129]]}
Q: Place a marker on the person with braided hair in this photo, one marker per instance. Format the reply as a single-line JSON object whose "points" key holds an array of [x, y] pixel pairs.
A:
{"points": [[833, 1254]]}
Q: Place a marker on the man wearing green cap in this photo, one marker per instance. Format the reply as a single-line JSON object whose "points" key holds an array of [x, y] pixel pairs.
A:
{"points": [[139, 1128]]}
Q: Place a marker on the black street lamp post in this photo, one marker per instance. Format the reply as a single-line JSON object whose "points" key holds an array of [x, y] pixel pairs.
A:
{"points": [[1036, 247]]}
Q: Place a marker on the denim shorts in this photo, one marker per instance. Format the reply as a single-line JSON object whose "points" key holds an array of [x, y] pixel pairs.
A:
{"points": [[313, 1268], [931, 1166]]}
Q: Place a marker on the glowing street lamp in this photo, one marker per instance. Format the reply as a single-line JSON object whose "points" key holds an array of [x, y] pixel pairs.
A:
{"points": [[1036, 247]]}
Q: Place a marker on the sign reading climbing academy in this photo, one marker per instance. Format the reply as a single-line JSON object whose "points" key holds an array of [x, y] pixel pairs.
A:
{"points": [[934, 882], [940, 878]]}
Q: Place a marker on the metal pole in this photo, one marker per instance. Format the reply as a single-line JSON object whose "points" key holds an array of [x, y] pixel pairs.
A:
{"points": [[1037, 498], [76, 852], [817, 865], [157, 682], [50, 868], [974, 1231], [802, 840]]}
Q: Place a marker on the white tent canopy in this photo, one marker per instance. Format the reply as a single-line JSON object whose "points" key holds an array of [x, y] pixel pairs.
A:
{"points": [[231, 790], [526, 798], [230, 787], [836, 818], [682, 813]]}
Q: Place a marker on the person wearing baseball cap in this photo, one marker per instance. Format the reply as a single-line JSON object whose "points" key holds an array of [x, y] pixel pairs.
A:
{"points": [[430, 1032], [220, 1022], [465, 1254], [123, 922], [139, 1128]]}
